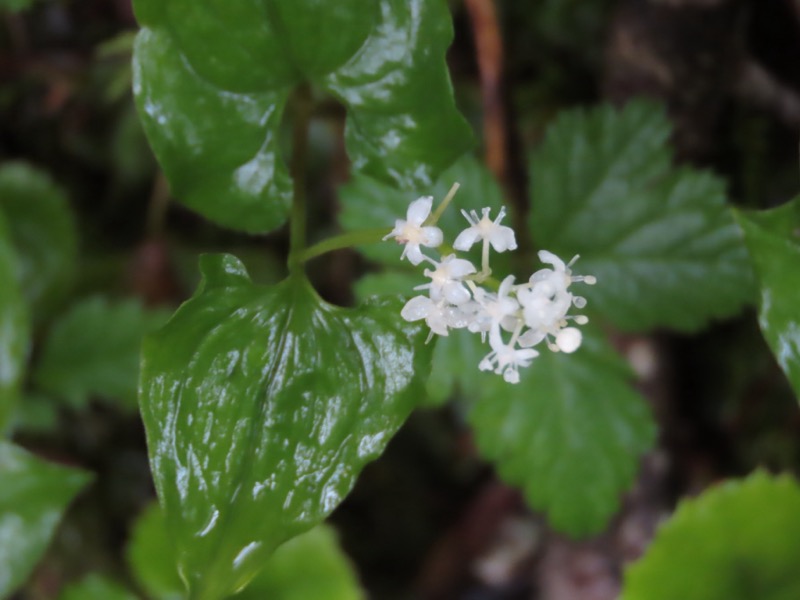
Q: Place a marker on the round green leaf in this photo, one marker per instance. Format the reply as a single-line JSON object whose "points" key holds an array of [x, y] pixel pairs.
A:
{"points": [[570, 433], [219, 149], [42, 231], [661, 242], [738, 541], [33, 496], [262, 404], [773, 238], [14, 329], [211, 80]]}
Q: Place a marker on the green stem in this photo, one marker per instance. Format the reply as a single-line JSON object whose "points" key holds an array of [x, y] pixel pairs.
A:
{"points": [[302, 106], [434, 218], [345, 240]]}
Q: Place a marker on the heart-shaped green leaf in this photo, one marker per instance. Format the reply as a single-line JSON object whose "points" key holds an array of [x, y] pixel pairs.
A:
{"points": [[661, 242], [42, 232], [14, 329], [773, 238], [33, 496], [570, 433], [739, 540], [262, 404], [212, 79]]}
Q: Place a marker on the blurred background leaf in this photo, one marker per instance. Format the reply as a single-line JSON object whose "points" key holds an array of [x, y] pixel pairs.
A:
{"points": [[95, 587], [736, 541], [92, 351], [33, 497], [43, 232]]}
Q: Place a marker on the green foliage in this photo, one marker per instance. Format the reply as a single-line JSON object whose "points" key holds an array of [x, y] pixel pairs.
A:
{"points": [[212, 104], [773, 239], [310, 565], [95, 587], [739, 540], [93, 351], [262, 404], [14, 329], [662, 244], [15, 5], [33, 496], [151, 555], [43, 232], [570, 433]]}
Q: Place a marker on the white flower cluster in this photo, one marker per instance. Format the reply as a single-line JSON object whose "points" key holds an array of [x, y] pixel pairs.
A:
{"points": [[516, 317]]}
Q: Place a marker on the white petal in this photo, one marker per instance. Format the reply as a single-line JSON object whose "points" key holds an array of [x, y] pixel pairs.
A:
{"points": [[455, 293], [552, 259], [459, 267], [413, 253], [417, 308], [569, 339], [502, 239], [531, 338], [399, 225], [466, 238], [431, 237], [419, 210], [511, 376]]}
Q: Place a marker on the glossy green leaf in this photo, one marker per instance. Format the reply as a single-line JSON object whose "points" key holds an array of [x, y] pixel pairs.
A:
{"points": [[570, 433], [368, 203], [262, 404], [33, 496], [310, 565], [43, 232], [92, 351], [95, 587], [738, 541], [212, 102], [14, 329], [662, 244], [773, 239]]}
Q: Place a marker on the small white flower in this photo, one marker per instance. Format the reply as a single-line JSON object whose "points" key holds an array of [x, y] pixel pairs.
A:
{"points": [[499, 236], [447, 278], [439, 316], [411, 232], [505, 358], [496, 309]]}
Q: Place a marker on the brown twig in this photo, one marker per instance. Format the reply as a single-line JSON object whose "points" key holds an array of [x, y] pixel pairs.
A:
{"points": [[489, 48]]}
